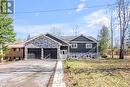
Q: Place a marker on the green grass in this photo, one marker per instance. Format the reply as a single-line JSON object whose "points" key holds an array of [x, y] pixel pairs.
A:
{"points": [[97, 73]]}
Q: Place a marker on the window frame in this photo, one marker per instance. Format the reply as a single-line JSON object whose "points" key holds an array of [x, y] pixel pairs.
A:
{"points": [[89, 45], [74, 45]]}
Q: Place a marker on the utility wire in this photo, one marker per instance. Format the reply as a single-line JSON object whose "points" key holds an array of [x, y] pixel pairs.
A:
{"points": [[67, 9]]}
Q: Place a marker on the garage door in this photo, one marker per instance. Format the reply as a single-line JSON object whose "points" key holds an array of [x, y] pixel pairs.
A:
{"points": [[50, 53], [34, 53]]}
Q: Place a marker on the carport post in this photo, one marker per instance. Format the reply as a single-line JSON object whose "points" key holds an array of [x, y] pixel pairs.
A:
{"points": [[42, 53]]}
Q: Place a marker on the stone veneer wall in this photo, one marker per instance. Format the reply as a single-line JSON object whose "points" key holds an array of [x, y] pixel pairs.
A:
{"points": [[82, 55], [42, 42]]}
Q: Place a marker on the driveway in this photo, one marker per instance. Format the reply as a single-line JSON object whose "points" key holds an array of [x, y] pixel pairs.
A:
{"points": [[29, 73]]}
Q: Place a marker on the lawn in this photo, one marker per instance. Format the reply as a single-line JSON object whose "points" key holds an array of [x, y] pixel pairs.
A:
{"points": [[97, 73]]}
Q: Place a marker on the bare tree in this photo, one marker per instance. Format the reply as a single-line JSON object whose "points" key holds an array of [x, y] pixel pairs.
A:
{"points": [[56, 31], [116, 46], [75, 30], [124, 19]]}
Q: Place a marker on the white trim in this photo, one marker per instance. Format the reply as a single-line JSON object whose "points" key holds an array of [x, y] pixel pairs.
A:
{"points": [[89, 45], [42, 54], [73, 45], [82, 42]]}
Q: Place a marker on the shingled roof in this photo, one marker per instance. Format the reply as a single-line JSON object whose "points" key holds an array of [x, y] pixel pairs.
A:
{"points": [[64, 40], [57, 39], [16, 44], [69, 38]]}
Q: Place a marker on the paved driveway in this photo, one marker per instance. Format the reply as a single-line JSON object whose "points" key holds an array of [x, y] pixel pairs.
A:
{"points": [[30, 73]]}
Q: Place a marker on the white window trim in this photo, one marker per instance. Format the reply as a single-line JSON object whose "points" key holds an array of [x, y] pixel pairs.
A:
{"points": [[88, 45], [74, 45]]}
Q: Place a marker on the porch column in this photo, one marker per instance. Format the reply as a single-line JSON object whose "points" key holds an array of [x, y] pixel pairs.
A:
{"points": [[42, 53], [26, 53]]}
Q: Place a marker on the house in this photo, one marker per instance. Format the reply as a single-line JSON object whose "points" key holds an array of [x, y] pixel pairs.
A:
{"points": [[16, 51], [49, 46]]}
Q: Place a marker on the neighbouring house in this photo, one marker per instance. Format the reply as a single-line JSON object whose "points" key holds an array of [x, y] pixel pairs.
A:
{"points": [[16, 51], [49, 46]]}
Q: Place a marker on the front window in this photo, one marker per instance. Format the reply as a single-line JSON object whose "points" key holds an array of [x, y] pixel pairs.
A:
{"points": [[88, 45], [74, 45]]}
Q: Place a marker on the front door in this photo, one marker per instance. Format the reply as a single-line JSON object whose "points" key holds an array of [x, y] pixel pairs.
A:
{"points": [[63, 54]]}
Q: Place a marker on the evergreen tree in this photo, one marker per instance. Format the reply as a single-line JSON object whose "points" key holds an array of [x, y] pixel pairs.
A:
{"points": [[7, 34], [103, 40], [28, 37]]}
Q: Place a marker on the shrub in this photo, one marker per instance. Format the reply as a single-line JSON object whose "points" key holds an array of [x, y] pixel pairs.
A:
{"points": [[68, 67], [104, 56], [75, 84]]}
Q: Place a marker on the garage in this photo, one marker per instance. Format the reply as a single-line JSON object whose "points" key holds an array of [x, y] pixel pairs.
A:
{"points": [[50, 53], [34, 53], [42, 47]]}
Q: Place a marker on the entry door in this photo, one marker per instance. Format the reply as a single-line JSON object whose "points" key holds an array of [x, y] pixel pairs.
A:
{"points": [[50, 53], [63, 54]]}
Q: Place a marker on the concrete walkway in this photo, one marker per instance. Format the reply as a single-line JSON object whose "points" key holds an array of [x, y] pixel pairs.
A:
{"points": [[58, 77]]}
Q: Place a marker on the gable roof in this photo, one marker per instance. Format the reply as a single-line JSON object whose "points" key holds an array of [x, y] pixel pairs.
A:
{"points": [[64, 40], [84, 38], [92, 38], [44, 36], [57, 39], [67, 38]]}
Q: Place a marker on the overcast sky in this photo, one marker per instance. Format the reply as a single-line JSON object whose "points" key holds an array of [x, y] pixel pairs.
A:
{"points": [[41, 16]]}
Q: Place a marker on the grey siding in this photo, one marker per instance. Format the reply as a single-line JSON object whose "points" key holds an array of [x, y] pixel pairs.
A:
{"points": [[81, 48], [82, 38]]}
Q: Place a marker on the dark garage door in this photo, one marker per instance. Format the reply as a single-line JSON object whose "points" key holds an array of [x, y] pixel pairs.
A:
{"points": [[50, 53], [34, 53]]}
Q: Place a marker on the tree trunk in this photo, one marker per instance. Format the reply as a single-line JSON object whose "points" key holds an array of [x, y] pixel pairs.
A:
{"points": [[122, 47], [1, 53], [121, 54]]}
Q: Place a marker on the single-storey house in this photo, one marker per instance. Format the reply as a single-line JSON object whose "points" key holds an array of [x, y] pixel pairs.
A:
{"points": [[46, 46]]}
